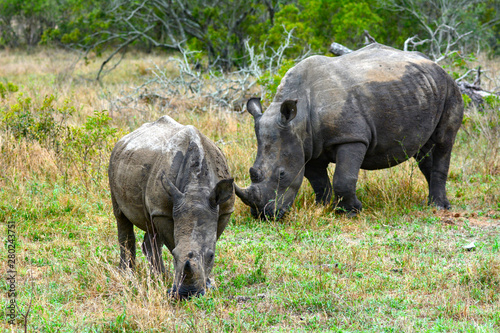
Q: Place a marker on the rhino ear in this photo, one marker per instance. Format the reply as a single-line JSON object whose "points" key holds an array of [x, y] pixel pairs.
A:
{"points": [[222, 192], [254, 107], [288, 110], [171, 189]]}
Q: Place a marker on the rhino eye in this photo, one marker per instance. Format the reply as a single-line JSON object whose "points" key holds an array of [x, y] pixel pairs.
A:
{"points": [[281, 174]]}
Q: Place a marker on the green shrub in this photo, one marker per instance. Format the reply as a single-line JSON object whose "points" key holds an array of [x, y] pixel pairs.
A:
{"points": [[272, 81], [87, 146], [467, 100], [45, 123], [9, 87]]}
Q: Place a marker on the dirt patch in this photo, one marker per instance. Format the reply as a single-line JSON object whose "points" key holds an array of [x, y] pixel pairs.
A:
{"points": [[490, 219]]}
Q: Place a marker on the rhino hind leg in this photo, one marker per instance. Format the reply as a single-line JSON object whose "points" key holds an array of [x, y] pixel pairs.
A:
{"points": [[349, 158], [152, 249], [442, 143], [424, 161], [316, 173], [434, 162], [441, 155]]}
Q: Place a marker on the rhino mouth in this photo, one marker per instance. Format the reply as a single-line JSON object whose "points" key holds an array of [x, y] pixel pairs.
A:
{"points": [[269, 213], [186, 292]]}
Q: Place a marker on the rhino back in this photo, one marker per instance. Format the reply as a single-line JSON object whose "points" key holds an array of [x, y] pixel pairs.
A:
{"points": [[139, 160], [385, 98]]}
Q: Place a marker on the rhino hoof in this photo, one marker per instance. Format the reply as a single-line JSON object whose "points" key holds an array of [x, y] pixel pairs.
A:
{"points": [[353, 213], [440, 204], [347, 212]]}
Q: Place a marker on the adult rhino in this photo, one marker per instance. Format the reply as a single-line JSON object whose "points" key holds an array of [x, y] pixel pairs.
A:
{"points": [[372, 109], [172, 182]]}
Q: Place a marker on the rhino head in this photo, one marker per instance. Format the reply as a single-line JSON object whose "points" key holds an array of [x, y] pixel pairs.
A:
{"points": [[195, 214], [279, 167]]}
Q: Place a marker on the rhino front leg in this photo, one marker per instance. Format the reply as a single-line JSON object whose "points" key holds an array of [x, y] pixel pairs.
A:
{"points": [[348, 160], [126, 236], [316, 173], [152, 249], [126, 239]]}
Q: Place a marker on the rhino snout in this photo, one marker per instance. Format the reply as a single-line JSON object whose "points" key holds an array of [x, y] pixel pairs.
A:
{"points": [[191, 281], [187, 291], [260, 207]]}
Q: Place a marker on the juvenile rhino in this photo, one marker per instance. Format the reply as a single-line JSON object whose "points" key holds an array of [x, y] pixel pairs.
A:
{"points": [[172, 182], [370, 109]]}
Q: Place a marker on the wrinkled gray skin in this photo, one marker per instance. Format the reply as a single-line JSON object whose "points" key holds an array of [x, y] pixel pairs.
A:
{"points": [[172, 182], [371, 109]]}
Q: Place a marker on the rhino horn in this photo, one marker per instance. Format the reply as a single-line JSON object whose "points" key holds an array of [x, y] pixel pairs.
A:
{"points": [[254, 107], [171, 189], [188, 271], [243, 194]]}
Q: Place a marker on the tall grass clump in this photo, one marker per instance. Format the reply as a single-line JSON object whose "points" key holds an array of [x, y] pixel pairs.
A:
{"points": [[477, 154]]}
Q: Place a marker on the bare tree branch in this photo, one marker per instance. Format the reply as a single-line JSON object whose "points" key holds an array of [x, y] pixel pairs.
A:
{"points": [[338, 49], [441, 20], [227, 90], [118, 49], [368, 38], [414, 42]]}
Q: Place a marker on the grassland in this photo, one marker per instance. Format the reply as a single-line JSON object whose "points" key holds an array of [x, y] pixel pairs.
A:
{"points": [[400, 266]]}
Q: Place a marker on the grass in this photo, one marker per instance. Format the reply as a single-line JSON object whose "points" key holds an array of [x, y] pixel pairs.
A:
{"points": [[399, 266]]}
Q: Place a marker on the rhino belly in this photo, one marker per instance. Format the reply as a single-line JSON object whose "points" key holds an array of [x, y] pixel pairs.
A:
{"points": [[388, 158], [389, 148]]}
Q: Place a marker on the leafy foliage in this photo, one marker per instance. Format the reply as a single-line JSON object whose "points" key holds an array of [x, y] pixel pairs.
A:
{"points": [[85, 147], [7, 88], [343, 21], [444, 27], [272, 80], [45, 125], [219, 29]]}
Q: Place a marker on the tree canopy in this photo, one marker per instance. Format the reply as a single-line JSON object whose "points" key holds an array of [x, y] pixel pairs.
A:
{"points": [[220, 28]]}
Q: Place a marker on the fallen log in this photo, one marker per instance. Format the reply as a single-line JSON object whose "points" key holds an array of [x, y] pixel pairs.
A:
{"points": [[339, 49]]}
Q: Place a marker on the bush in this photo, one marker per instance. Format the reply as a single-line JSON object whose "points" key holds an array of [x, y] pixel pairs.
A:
{"points": [[272, 80], [88, 146], [83, 150], [44, 124], [8, 88]]}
